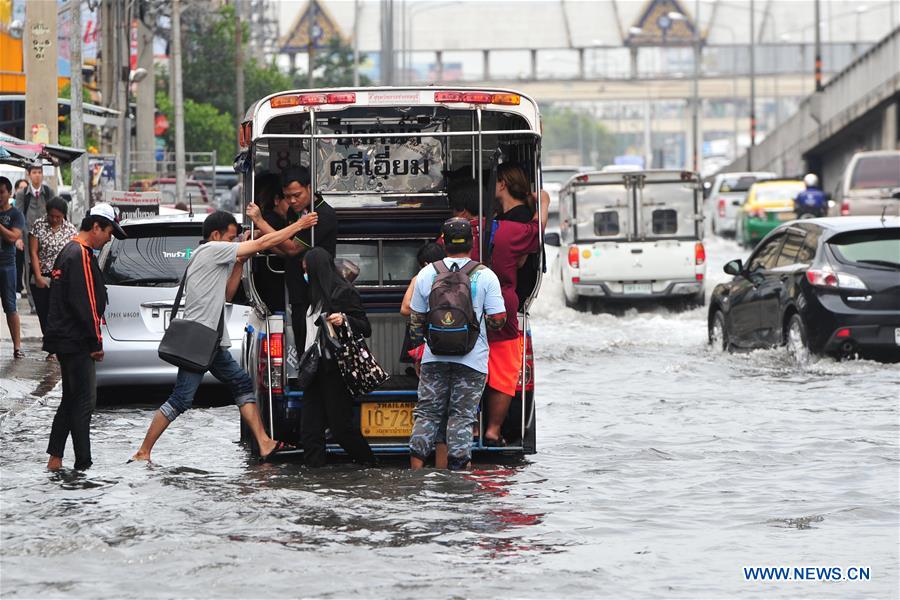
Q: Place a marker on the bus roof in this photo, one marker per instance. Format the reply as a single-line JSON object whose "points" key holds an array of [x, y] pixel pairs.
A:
{"points": [[337, 99]]}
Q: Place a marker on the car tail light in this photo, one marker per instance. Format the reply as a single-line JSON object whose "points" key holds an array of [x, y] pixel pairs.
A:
{"points": [[843, 333], [573, 257], [699, 276], [830, 279], [699, 253], [576, 280], [722, 204], [845, 208]]}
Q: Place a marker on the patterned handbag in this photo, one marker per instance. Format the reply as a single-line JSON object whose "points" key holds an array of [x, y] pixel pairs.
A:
{"points": [[360, 370]]}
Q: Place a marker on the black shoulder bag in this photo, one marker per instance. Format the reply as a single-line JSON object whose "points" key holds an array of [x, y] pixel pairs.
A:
{"points": [[188, 344]]}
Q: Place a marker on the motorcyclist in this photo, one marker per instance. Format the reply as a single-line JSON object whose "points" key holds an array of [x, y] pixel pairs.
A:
{"points": [[811, 202]]}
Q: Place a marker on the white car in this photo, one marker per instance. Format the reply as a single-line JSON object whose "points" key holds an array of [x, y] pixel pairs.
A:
{"points": [[727, 195], [142, 273], [553, 179], [629, 237]]}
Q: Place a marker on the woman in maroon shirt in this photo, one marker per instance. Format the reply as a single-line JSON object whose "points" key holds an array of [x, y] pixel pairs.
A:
{"points": [[514, 244]]}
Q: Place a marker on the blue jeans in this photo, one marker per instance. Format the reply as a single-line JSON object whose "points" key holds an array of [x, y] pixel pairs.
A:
{"points": [[225, 369]]}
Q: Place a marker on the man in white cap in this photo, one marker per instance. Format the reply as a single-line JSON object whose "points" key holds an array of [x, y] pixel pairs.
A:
{"points": [[77, 302]]}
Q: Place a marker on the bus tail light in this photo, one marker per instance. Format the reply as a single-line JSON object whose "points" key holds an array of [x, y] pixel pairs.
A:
{"points": [[722, 207], [313, 99], [573, 257], [845, 208], [284, 101], [342, 98], [699, 253], [245, 134], [272, 348], [478, 98]]}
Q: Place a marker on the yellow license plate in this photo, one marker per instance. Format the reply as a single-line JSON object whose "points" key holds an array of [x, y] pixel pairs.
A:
{"points": [[386, 419], [786, 216]]}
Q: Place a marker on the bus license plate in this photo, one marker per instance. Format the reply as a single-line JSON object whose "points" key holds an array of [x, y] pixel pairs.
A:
{"points": [[386, 419], [637, 288]]}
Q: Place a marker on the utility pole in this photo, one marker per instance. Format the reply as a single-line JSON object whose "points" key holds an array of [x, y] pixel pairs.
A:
{"points": [[387, 42], [752, 87], [40, 49], [818, 66], [78, 207], [123, 51], [145, 98], [178, 102], [355, 43], [695, 112], [238, 68], [311, 43]]}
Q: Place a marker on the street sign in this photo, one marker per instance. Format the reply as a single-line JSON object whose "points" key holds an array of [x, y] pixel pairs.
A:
{"points": [[133, 205]]}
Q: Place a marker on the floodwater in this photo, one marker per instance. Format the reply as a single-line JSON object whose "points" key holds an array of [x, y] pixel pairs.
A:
{"points": [[663, 469]]}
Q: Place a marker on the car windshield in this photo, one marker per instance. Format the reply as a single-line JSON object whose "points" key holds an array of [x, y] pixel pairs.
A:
{"points": [[879, 247], [150, 260], [875, 172], [737, 184], [773, 193], [556, 176]]}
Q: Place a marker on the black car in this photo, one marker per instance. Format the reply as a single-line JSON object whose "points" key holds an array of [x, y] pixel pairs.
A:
{"points": [[826, 286]]}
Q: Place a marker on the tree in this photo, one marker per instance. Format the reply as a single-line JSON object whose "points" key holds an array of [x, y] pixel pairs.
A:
{"points": [[571, 131], [205, 128], [334, 66]]}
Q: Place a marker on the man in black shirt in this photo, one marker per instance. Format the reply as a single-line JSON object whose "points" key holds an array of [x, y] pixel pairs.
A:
{"points": [[297, 193]]}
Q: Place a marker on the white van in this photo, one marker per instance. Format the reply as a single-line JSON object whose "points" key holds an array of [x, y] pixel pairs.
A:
{"points": [[632, 236]]}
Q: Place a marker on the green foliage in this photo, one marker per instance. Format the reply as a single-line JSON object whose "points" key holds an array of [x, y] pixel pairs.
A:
{"points": [[209, 81], [334, 66], [570, 130], [205, 128]]}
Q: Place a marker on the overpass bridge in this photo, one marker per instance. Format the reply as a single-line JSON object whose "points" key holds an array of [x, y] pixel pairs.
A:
{"points": [[858, 109]]}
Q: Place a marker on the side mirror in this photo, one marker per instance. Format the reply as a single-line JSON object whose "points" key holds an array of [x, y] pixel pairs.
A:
{"points": [[552, 239], [895, 193], [734, 267]]}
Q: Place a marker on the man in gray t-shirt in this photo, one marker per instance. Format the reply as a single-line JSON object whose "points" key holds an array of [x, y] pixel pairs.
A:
{"points": [[212, 277], [205, 287]]}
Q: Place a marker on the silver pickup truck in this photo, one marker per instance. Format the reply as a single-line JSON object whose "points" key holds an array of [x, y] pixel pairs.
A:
{"points": [[629, 237]]}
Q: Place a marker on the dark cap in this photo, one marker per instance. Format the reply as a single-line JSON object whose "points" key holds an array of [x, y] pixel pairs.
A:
{"points": [[457, 231]]}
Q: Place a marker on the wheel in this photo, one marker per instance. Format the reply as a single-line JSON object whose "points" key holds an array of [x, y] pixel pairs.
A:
{"points": [[718, 335], [575, 301], [796, 341]]}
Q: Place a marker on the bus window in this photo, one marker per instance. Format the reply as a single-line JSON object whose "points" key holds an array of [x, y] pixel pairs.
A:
{"points": [[365, 256]]}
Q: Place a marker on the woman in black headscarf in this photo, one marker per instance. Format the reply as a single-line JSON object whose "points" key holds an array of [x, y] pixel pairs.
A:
{"points": [[327, 403]]}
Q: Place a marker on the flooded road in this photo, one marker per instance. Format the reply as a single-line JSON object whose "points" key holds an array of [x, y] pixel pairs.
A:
{"points": [[663, 469]]}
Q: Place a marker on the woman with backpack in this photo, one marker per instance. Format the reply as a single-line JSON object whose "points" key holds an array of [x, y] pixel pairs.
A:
{"points": [[327, 404]]}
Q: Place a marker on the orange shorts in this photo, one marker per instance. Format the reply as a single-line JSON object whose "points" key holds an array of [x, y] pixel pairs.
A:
{"points": [[504, 365]]}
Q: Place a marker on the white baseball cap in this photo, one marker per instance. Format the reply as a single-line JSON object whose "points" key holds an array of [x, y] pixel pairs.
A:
{"points": [[108, 212]]}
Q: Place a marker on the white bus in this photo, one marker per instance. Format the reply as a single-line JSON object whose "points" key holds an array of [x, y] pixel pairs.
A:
{"points": [[384, 159]]}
